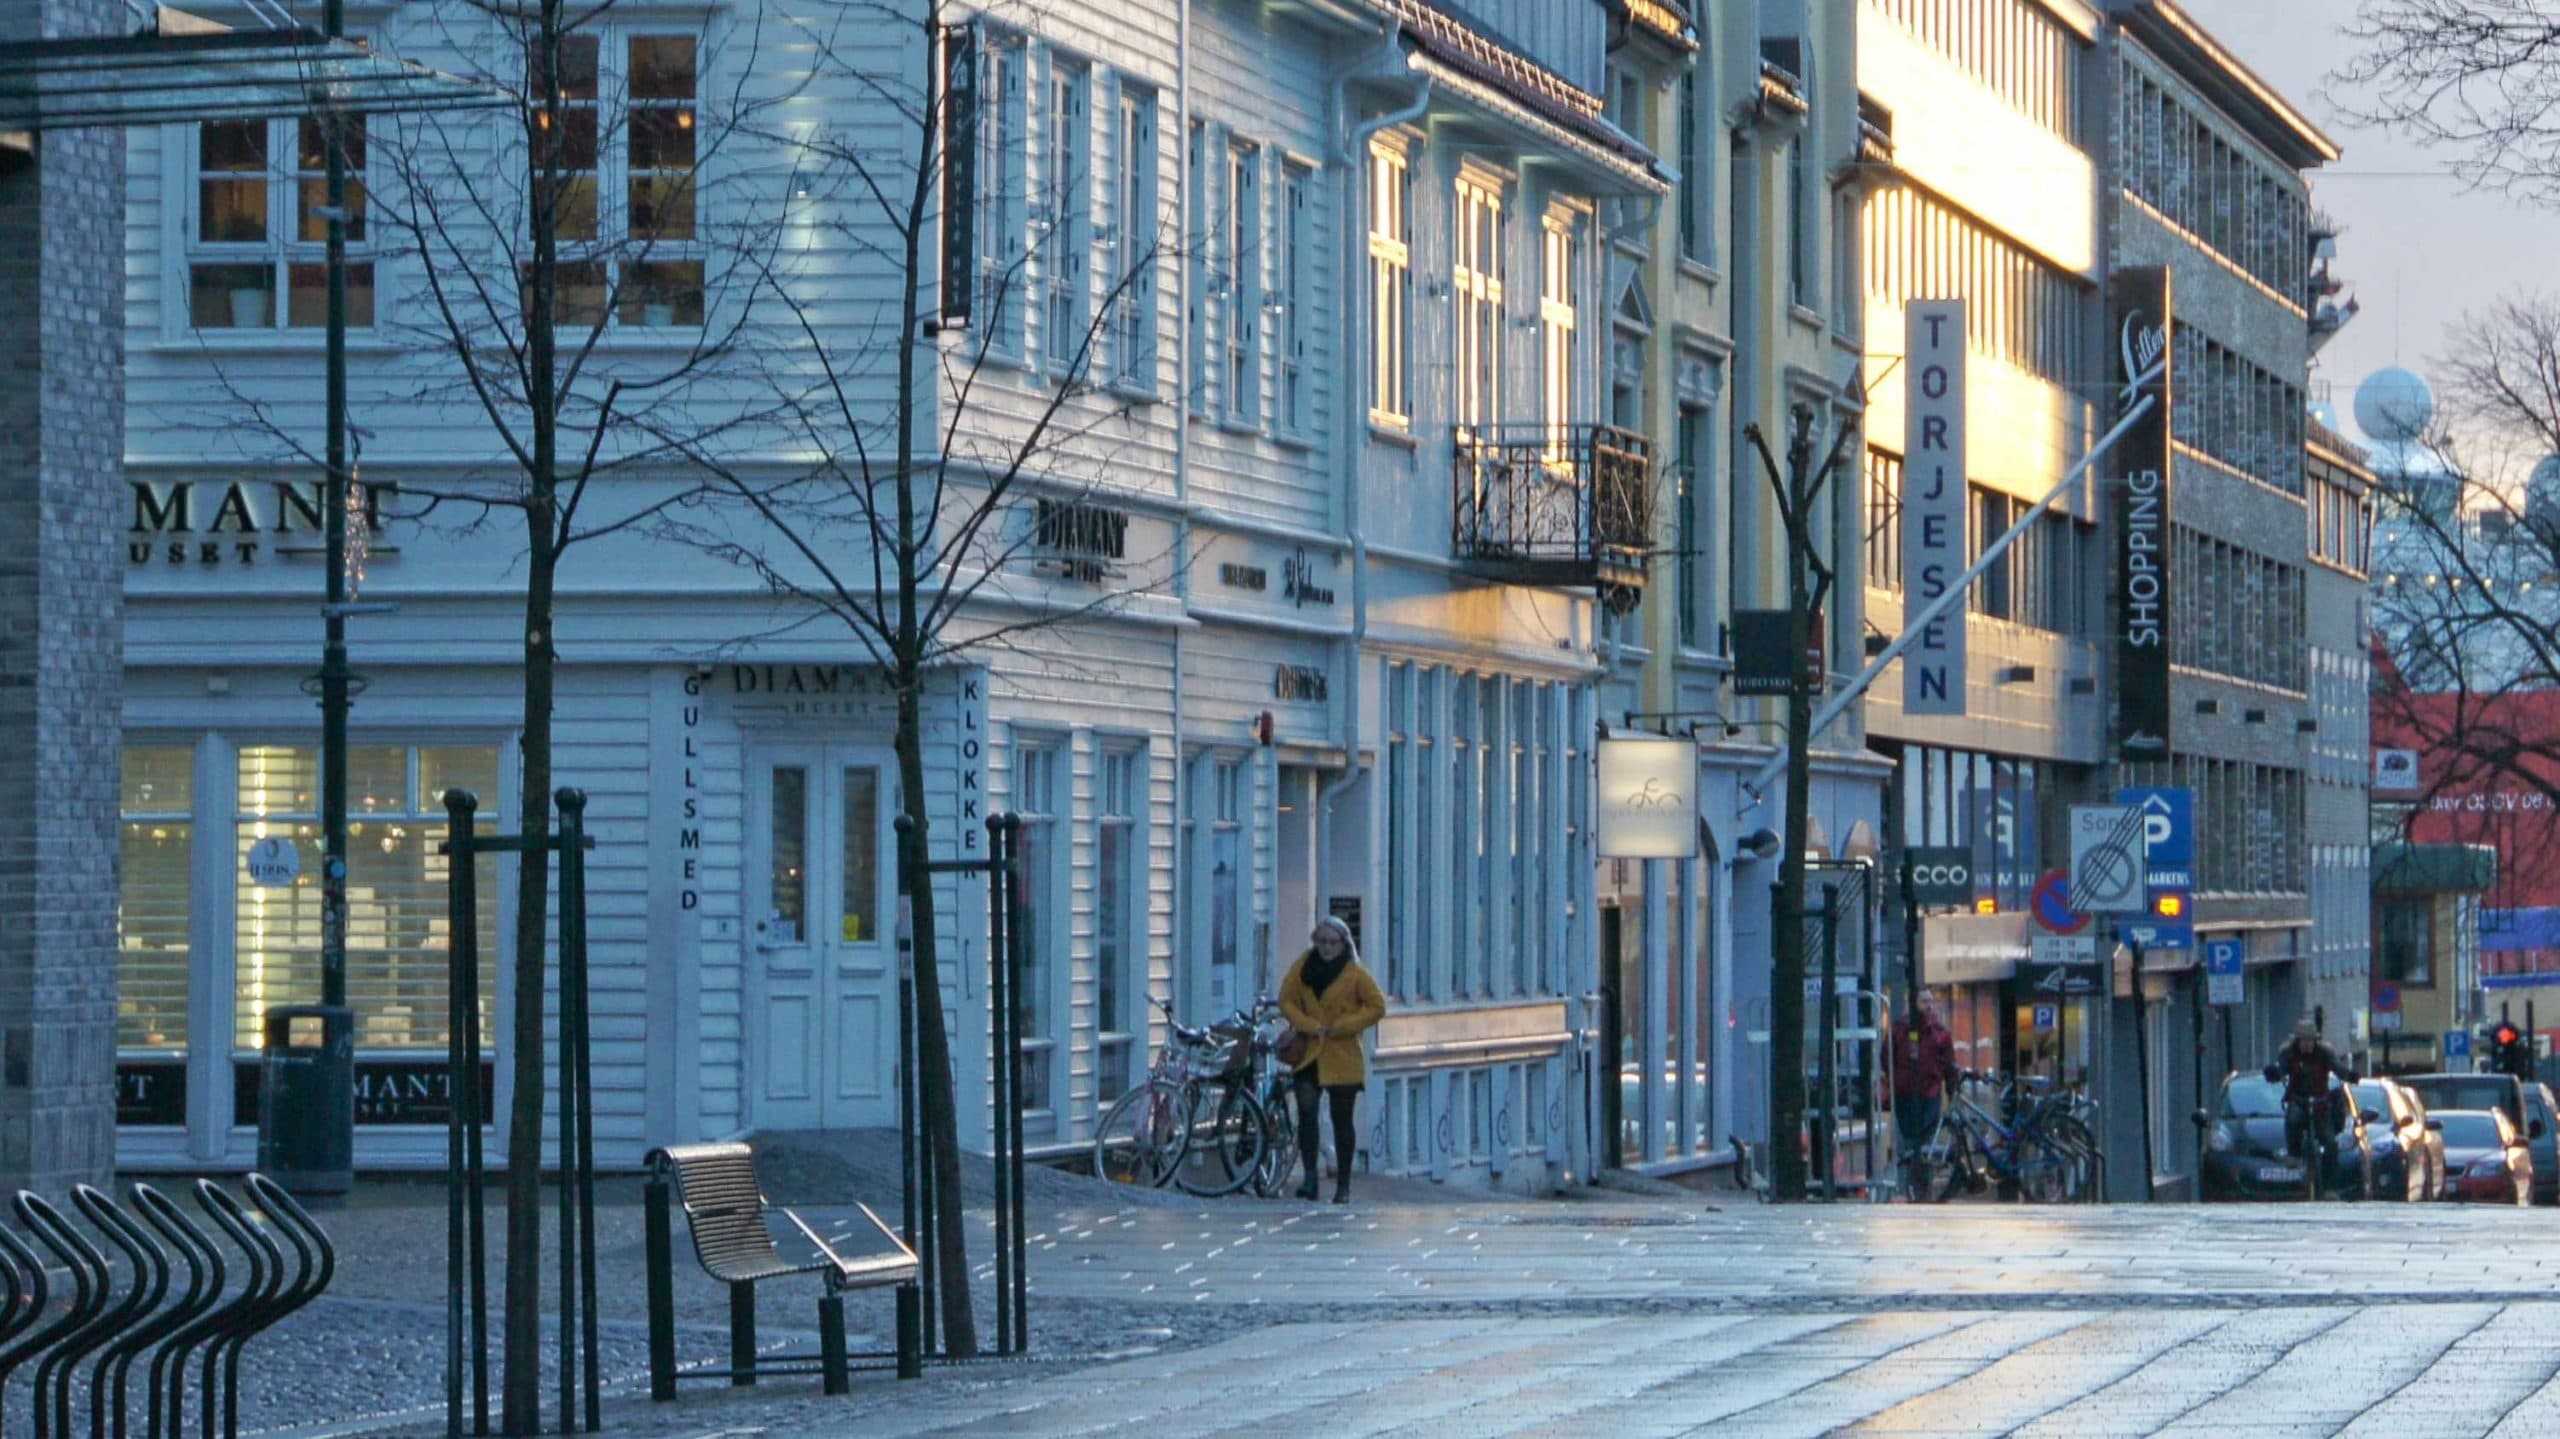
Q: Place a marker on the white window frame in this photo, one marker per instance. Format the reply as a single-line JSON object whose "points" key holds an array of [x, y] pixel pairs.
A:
{"points": [[1120, 799], [281, 250], [1390, 285], [1295, 236], [1476, 305], [1043, 802], [1066, 218], [1559, 295], [1004, 63], [1240, 246], [1201, 202], [1132, 241], [613, 245]]}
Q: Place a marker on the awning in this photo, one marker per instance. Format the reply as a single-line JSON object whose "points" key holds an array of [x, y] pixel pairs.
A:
{"points": [[2434, 868], [188, 69]]}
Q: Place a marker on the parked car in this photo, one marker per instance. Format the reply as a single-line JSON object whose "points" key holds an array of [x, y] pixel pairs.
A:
{"points": [[2440, 1092], [2408, 1157], [2542, 1136], [2244, 1153], [2485, 1156]]}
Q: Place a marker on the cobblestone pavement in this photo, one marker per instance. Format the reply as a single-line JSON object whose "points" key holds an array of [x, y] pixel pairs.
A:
{"points": [[1656, 1317]]}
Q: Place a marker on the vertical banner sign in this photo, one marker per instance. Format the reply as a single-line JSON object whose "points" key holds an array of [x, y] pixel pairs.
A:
{"points": [[1933, 502], [959, 172], [2141, 311]]}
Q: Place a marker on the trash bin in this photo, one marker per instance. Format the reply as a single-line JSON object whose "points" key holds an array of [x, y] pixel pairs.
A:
{"points": [[307, 1099]]}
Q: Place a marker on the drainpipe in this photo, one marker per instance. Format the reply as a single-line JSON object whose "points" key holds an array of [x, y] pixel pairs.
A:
{"points": [[1179, 969], [1390, 63]]}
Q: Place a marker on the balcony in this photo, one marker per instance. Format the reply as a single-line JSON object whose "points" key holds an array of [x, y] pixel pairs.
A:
{"points": [[1556, 506]]}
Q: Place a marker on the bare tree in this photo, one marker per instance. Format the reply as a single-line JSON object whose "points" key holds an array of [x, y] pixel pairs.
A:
{"points": [[2480, 77], [959, 495], [525, 273]]}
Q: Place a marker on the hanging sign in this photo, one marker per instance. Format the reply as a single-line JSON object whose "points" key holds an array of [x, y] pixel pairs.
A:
{"points": [[1941, 874], [1933, 502], [2141, 467], [1648, 792]]}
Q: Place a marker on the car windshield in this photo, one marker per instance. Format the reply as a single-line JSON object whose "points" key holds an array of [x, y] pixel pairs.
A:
{"points": [[2374, 1097], [2471, 1130], [2484, 1093], [2248, 1096]]}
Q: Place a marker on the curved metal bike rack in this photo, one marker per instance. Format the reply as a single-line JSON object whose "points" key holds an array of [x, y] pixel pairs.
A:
{"points": [[125, 1298]]}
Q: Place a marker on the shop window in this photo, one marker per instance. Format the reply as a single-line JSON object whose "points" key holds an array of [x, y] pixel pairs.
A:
{"points": [[398, 926], [2404, 950], [153, 900], [1119, 899], [1036, 796]]}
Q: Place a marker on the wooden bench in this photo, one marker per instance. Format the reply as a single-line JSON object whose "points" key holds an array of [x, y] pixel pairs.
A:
{"points": [[727, 1214]]}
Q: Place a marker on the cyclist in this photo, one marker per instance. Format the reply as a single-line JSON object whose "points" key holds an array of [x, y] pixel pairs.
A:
{"points": [[2304, 1067]]}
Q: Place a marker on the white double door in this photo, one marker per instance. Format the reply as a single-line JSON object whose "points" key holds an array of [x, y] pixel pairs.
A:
{"points": [[821, 899]]}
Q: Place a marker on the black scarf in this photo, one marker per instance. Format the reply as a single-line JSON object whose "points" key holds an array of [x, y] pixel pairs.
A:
{"points": [[1317, 973]]}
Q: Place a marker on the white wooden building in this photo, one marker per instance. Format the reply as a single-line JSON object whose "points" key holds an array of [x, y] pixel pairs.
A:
{"points": [[1332, 649]]}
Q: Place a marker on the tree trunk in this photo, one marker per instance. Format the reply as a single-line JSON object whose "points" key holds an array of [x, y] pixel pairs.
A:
{"points": [[522, 1405], [936, 1100], [1787, 967]]}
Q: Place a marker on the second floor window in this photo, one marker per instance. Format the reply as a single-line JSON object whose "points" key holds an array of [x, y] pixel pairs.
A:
{"points": [[1557, 314], [617, 179], [1296, 236], [1390, 285], [1133, 242], [1476, 294], [257, 243], [1243, 289], [1066, 218]]}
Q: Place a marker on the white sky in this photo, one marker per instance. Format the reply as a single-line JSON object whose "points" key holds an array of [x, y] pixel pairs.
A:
{"points": [[2419, 250]]}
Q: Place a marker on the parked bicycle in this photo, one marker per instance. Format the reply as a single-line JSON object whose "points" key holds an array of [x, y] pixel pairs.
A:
{"points": [[2043, 1152], [1198, 1120]]}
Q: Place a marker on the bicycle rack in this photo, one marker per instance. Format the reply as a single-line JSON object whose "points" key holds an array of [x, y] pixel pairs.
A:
{"points": [[125, 1298]]}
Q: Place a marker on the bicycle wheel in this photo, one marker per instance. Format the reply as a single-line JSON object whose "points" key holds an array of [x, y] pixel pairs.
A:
{"points": [[1279, 1145], [1225, 1144], [1140, 1138], [2044, 1170], [2080, 1148]]}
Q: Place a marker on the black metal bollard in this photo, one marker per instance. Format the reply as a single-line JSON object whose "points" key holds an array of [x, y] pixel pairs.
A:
{"points": [[657, 1210]]}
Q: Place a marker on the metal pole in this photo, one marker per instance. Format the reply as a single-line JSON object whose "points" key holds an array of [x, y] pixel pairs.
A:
{"points": [[1015, 1180], [1003, 1067], [335, 696], [2197, 1028], [464, 931], [2142, 1071], [1827, 1062]]}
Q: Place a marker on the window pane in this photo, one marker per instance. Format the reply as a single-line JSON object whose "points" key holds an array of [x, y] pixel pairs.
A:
{"points": [[399, 939], [790, 834], [231, 297], [153, 898], [662, 67], [578, 292], [445, 767], [311, 164], [860, 897], [231, 195], [661, 294], [307, 301]]}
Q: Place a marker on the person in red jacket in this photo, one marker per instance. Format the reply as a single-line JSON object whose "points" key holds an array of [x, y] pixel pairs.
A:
{"points": [[1924, 1068]]}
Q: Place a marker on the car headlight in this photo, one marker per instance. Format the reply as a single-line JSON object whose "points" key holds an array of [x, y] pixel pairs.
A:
{"points": [[2219, 1141]]}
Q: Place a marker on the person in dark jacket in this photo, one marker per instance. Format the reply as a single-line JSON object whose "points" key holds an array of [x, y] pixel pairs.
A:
{"points": [[2305, 1067], [1924, 1069], [1329, 999]]}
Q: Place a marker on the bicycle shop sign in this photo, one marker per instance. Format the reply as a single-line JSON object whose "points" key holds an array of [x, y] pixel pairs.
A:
{"points": [[1648, 789], [209, 523]]}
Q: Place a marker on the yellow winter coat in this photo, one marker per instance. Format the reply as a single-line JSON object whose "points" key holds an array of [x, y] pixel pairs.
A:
{"points": [[1348, 1005]]}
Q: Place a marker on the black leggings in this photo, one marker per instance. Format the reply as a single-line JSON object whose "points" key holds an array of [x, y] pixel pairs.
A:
{"points": [[1341, 1100]]}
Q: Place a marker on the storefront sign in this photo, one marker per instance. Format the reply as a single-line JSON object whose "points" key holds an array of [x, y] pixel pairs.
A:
{"points": [[1300, 682], [151, 1091], [1648, 798], [2058, 980], [1971, 948], [1244, 577], [388, 1091], [1765, 659], [1934, 498], [1941, 874], [689, 832], [274, 862], [2141, 464], [238, 522], [1298, 581], [2395, 771], [973, 763]]}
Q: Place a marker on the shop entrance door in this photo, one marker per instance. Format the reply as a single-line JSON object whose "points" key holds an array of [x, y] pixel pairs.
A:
{"points": [[822, 1046]]}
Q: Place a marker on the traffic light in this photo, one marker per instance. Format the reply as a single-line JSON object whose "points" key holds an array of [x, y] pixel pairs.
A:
{"points": [[2511, 1051]]}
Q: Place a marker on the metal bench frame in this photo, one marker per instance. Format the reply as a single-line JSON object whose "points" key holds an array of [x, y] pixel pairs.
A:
{"points": [[726, 1214]]}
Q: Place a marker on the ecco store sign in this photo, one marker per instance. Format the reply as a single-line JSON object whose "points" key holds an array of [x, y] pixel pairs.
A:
{"points": [[1648, 798], [206, 523]]}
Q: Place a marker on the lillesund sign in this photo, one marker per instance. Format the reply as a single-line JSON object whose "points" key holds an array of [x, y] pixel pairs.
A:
{"points": [[2142, 308], [1933, 501]]}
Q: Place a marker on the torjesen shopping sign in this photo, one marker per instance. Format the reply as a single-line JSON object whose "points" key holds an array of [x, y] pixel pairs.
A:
{"points": [[1934, 497], [2141, 304]]}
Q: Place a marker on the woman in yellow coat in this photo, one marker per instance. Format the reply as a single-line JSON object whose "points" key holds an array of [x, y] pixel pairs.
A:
{"points": [[1328, 998]]}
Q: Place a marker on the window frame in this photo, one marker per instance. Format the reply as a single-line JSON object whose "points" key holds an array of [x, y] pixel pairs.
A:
{"points": [[1120, 959], [281, 250], [1066, 221], [614, 251], [1294, 235], [1390, 249], [1477, 303], [1134, 257], [1240, 240]]}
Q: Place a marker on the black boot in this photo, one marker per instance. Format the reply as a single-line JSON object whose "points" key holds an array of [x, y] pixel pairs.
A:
{"points": [[1341, 1190], [1307, 1189]]}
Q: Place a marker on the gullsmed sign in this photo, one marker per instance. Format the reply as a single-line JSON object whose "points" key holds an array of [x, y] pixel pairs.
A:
{"points": [[1933, 502], [2141, 309]]}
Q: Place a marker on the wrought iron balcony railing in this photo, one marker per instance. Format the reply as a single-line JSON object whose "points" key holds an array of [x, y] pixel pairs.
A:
{"points": [[1565, 506]]}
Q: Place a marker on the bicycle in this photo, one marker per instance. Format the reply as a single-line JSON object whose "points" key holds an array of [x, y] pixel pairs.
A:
{"points": [[1187, 1123], [2030, 1156]]}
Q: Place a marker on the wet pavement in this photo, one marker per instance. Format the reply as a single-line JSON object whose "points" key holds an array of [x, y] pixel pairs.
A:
{"points": [[1623, 1316]]}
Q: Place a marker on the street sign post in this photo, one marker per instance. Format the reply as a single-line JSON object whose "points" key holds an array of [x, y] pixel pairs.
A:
{"points": [[2107, 860], [2224, 962]]}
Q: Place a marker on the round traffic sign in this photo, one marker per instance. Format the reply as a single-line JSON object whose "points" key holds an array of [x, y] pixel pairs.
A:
{"points": [[2386, 998], [2050, 903]]}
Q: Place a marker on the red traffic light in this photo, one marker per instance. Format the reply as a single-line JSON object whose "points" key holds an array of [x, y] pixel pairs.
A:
{"points": [[2506, 1034]]}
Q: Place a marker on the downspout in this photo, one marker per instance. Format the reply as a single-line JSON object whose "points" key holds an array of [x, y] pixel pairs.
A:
{"points": [[1180, 130], [1394, 63]]}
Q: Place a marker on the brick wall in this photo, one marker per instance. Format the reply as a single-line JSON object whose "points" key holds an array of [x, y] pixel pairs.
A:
{"points": [[61, 615]]}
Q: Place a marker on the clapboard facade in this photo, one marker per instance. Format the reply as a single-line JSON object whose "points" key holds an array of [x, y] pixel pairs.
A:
{"points": [[1240, 658]]}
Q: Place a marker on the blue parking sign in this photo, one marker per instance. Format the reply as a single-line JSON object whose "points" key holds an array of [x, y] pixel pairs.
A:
{"points": [[2168, 831], [2457, 1045]]}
